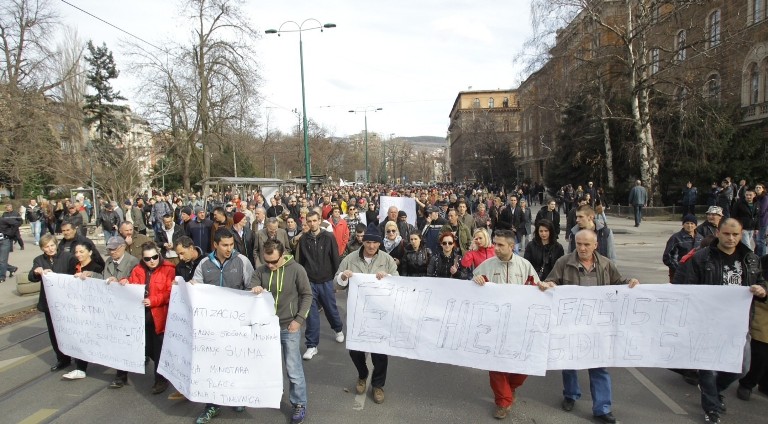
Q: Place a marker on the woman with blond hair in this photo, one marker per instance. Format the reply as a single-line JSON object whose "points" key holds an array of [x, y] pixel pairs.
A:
{"points": [[481, 249]]}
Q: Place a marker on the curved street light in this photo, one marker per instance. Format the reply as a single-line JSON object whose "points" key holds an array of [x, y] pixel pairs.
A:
{"points": [[300, 28], [365, 112]]}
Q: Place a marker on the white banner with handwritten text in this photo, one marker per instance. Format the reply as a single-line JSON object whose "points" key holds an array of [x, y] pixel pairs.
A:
{"points": [[520, 329], [222, 346], [98, 322]]}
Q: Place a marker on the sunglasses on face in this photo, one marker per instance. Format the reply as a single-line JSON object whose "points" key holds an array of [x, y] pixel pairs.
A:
{"points": [[151, 258], [272, 262], [447, 243], [391, 231]]}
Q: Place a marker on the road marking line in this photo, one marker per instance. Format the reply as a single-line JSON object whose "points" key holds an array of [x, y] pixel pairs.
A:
{"points": [[666, 400], [25, 359], [38, 416], [360, 399]]}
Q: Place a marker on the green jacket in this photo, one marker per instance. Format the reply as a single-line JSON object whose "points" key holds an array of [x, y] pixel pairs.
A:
{"points": [[464, 234], [289, 286], [566, 271]]}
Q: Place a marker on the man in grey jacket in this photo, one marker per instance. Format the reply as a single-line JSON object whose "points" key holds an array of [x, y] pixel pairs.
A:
{"points": [[223, 267], [117, 268], [289, 285]]}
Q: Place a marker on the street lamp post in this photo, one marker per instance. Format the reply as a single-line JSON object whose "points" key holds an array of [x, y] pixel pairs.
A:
{"points": [[365, 113], [300, 29]]}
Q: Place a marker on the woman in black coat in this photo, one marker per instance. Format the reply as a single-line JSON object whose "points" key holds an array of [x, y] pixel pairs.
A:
{"points": [[544, 250], [60, 263], [417, 257], [447, 262]]}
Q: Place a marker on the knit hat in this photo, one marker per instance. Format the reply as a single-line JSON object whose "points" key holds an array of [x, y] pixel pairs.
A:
{"points": [[127, 202], [372, 234], [187, 210], [690, 218], [237, 217], [401, 214], [198, 209]]}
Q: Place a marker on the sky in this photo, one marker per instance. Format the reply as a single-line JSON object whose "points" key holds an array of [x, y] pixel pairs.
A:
{"points": [[409, 57]]}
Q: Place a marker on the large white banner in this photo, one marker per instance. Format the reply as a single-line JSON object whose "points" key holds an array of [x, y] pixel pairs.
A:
{"points": [[520, 329], [98, 322], [651, 325], [223, 346], [406, 204], [491, 327]]}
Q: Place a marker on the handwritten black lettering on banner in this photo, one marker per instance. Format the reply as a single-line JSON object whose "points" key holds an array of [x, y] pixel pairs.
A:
{"points": [[519, 329], [223, 346], [98, 322], [664, 326], [494, 327]]}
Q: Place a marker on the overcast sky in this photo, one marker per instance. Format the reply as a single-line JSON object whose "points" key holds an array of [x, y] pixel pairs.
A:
{"points": [[409, 57]]}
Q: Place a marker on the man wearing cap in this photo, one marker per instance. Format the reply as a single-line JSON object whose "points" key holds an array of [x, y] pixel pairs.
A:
{"points": [[244, 237], [709, 227], [368, 260], [74, 217], [431, 231], [404, 227], [681, 243], [167, 237], [118, 266], [746, 210]]}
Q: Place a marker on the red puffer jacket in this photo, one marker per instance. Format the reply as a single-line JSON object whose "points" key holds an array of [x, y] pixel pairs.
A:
{"points": [[160, 283]]}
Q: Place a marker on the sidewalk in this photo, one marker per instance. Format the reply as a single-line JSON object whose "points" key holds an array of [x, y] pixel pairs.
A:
{"points": [[10, 299]]}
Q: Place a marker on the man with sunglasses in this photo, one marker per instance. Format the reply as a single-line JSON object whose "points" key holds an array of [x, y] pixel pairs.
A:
{"points": [[223, 267], [289, 285]]}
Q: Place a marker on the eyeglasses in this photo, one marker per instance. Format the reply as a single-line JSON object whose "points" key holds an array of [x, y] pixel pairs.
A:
{"points": [[151, 258], [447, 243], [272, 262], [391, 231]]}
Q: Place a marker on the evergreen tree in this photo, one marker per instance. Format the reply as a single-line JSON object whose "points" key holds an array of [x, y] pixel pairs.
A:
{"points": [[100, 108]]}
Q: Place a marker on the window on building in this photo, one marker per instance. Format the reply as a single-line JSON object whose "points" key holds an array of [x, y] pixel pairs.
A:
{"points": [[654, 59], [681, 45], [757, 12], [754, 84], [490, 103], [505, 102], [476, 102], [506, 125], [713, 87], [713, 28]]}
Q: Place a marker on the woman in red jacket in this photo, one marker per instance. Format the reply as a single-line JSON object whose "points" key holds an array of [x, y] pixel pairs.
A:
{"points": [[481, 249], [157, 276]]}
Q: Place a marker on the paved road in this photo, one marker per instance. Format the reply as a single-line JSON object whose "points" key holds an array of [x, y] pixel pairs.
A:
{"points": [[417, 392]]}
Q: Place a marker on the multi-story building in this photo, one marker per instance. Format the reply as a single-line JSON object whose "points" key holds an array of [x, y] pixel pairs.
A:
{"points": [[481, 121]]}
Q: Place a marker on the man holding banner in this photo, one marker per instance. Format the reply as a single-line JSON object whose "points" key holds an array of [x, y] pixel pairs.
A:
{"points": [[586, 267], [289, 285], [368, 260], [505, 268], [725, 262]]}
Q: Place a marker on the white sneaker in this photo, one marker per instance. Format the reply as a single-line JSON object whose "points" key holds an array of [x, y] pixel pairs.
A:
{"points": [[340, 337], [311, 351], [74, 375]]}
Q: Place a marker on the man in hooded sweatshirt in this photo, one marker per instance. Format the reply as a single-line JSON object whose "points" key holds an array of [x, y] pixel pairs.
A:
{"points": [[282, 276]]}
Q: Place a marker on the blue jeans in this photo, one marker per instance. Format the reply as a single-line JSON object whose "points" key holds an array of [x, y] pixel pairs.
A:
{"points": [[297, 387], [36, 227], [324, 295], [599, 387], [5, 252], [760, 242], [638, 214], [108, 235]]}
